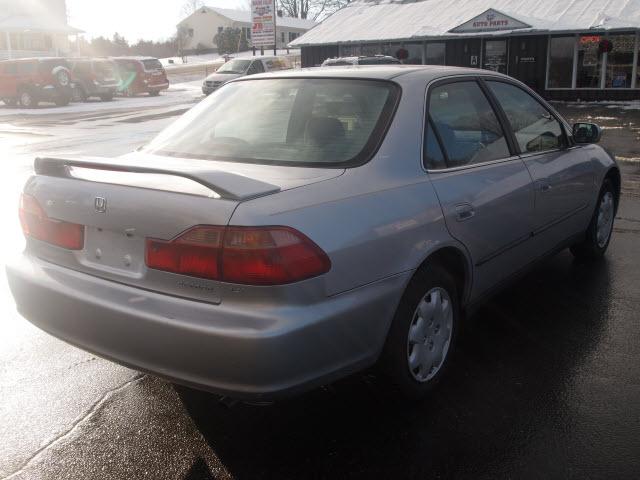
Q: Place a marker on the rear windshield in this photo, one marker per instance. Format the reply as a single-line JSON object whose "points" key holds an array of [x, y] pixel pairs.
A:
{"points": [[301, 122], [152, 64]]}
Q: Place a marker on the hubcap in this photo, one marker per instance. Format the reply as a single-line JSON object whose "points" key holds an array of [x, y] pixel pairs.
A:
{"points": [[605, 219], [430, 334], [63, 78], [25, 99]]}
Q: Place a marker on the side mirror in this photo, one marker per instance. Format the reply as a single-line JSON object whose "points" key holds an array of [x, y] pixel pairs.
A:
{"points": [[586, 133]]}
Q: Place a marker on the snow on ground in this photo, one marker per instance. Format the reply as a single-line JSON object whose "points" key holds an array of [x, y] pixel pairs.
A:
{"points": [[621, 104], [178, 93]]}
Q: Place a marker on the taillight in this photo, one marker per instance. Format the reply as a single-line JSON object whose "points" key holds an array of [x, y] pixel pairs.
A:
{"points": [[36, 224], [247, 255]]}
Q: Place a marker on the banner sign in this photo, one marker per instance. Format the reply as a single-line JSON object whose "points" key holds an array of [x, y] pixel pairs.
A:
{"points": [[263, 17], [489, 21]]}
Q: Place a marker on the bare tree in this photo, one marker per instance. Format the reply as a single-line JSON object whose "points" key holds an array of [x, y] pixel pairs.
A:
{"points": [[190, 6], [311, 9]]}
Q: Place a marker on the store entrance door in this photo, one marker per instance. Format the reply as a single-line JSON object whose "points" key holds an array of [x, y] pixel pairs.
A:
{"points": [[527, 60], [495, 55]]}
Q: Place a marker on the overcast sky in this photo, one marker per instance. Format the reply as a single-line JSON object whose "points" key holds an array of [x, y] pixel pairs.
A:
{"points": [[135, 19]]}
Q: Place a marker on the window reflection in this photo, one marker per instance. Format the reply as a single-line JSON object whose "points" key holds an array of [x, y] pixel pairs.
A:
{"points": [[589, 61], [620, 61]]}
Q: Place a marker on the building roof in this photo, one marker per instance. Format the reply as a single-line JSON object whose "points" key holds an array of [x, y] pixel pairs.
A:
{"points": [[22, 23], [379, 20], [244, 16]]}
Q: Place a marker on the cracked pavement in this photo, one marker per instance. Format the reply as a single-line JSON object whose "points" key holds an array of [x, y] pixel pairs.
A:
{"points": [[546, 382]]}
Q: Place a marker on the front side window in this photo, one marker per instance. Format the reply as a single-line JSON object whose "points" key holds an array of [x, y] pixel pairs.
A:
{"points": [[466, 124], [299, 122], [561, 62], [535, 129], [256, 67]]}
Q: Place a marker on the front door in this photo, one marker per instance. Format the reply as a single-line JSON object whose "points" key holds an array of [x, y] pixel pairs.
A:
{"points": [[527, 60], [484, 190], [495, 56], [562, 179]]}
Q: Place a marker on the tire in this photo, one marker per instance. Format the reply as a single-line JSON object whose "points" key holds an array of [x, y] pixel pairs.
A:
{"points": [[27, 99], [106, 97], [78, 94], [410, 360], [63, 79], [598, 234], [154, 93]]}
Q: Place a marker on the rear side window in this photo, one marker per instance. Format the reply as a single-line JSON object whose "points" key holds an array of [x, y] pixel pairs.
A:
{"points": [[536, 130], [467, 126], [26, 68], [298, 122]]}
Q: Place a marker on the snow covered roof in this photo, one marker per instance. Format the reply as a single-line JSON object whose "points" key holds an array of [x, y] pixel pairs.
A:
{"points": [[22, 23], [244, 16], [379, 20]]}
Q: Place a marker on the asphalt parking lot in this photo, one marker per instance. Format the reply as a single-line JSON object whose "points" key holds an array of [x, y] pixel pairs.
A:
{"points": [[545, 384]]}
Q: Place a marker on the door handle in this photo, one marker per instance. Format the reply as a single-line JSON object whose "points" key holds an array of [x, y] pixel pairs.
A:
{"points": [[464, 211], [544, 186]]}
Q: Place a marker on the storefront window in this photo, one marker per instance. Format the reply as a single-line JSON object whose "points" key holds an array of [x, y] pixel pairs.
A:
{"points": [[620, 61], [435, 54], [415, 54], [370, 49], [349, 50], [589, 61], [561, 62]]}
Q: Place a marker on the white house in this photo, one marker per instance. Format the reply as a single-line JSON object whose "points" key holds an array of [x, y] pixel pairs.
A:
{"points": [[201, 27], [34, 28]]}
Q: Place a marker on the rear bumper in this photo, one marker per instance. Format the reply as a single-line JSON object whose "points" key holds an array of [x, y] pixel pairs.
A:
{"points": [[256, 351], [156, 87]]}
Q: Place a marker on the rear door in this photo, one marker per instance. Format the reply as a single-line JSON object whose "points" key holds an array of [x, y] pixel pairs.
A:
{"points": [[484, 189], [563, 178]]}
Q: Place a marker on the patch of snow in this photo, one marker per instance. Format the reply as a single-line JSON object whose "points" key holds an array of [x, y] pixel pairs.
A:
{"points": [[178, 93]]}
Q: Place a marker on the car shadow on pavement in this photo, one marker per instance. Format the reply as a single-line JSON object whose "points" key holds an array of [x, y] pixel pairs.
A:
{"points": [[506, 409]]}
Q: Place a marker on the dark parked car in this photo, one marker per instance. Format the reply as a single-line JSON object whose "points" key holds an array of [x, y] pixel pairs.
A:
{"points": [[141, 75], [29, 81], [94, 77]]}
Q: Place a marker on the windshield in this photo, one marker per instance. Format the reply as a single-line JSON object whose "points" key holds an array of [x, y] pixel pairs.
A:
{"points": [[234, 66], [302, 122]]}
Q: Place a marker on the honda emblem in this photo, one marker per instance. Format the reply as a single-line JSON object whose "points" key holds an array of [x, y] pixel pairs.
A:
{"points": [[100, 204]]}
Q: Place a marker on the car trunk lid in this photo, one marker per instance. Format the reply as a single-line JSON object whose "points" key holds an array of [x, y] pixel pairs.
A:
{"points": [[121, 203]]}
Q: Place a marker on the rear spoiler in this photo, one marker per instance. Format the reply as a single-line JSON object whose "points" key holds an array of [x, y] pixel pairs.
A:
{"points": [[231, 186]]}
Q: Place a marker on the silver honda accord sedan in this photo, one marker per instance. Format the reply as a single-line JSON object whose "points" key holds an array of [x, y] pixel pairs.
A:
{"points": [[294, 228]]}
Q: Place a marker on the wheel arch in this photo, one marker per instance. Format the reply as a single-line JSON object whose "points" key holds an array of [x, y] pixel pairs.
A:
{"points": [[455, 260], [613, 174]]}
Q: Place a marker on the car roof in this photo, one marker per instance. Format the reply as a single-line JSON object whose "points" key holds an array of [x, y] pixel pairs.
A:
{"points": [[376, 72], [34, 59]]}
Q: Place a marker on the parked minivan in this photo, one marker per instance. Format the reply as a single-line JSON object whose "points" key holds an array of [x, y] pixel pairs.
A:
{"points": [[239, 67], [94, 77], [141, 75], [29, 81]]}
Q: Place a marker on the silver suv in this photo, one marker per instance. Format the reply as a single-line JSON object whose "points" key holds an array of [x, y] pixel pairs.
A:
{"points": [[294, 228]]}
